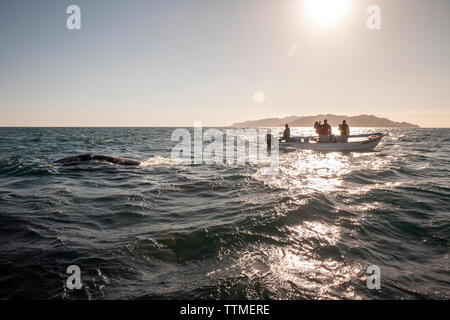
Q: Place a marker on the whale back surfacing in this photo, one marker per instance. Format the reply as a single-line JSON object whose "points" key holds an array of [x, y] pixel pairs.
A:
{"points": [[93, 157]]}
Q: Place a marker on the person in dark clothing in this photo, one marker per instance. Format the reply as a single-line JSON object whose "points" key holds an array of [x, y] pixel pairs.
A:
{"points": [[317, 128], [326, 128], [325, 132], [287, 132]]}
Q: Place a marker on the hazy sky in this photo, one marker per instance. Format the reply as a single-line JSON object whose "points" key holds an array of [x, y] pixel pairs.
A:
{"points": [[170, 62]]}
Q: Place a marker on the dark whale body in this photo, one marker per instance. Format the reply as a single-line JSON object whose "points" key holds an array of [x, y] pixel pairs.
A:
{"points": [[93, 157]]}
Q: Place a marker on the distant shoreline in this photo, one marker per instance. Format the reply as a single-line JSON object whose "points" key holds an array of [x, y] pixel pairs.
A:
{"points": [[362, 121]]}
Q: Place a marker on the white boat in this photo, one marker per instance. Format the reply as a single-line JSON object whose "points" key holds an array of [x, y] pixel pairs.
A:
{"points": [[359, 143]]}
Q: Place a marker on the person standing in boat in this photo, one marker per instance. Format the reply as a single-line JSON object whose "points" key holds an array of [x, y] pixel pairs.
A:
{"points": [[287, 133], [325, 133], [345, 131], [316, 127]]}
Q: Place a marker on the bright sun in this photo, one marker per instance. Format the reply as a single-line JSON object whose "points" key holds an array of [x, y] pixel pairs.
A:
{"points": [[325, 13]]}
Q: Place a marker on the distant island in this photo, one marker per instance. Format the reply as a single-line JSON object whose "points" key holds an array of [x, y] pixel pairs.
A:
{"points": [[334, 120]]}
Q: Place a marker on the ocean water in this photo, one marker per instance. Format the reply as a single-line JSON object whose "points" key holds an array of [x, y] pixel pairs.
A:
{"points": [[165, 230]]}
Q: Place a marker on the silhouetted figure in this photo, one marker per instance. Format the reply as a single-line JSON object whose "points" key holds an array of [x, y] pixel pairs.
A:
{"points": [[269, 140], [287, 132], [345, 131], [317, 128], [325, 132]]}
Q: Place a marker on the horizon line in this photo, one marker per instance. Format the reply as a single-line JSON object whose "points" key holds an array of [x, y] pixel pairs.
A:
{"points": [[107, 126]]}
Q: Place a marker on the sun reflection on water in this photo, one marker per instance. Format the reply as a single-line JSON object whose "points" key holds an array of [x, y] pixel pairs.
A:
{"points": [[297, 270], [302, 266], [325, 233], [311, 264], [308, 171]]}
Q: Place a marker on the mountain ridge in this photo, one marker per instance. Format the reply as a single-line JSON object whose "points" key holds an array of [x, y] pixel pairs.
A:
{"points": [[362, 120]]}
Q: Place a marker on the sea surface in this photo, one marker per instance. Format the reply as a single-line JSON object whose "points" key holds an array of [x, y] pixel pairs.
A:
{"points": [[167, 230]]}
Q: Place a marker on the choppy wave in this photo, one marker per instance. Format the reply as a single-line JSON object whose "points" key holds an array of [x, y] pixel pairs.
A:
{"points": [[168, 230]]}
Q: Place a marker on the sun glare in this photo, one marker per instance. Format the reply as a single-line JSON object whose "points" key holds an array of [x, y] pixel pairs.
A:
{"points": [[325, 13]]}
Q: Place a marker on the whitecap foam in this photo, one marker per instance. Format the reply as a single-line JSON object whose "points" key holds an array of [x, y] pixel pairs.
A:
{"points": [[158, 161]]}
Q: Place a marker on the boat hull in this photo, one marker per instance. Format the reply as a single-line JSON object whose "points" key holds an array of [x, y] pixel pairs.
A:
{"points": [[356, 146]]}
